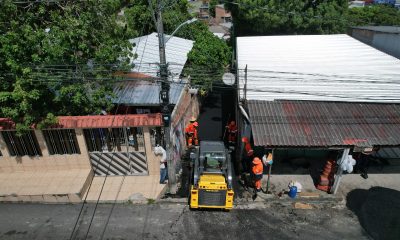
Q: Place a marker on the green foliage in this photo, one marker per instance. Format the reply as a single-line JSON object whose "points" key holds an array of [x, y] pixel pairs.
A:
{"points": [[209, 56], [212, 5], [208, 59], [58, 58], [374, 15], [273, 17], [50, 120]]}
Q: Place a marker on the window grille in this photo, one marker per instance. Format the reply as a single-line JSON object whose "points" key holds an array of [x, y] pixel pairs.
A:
{"points": [[24, 145], [156, 136], [114, 139], [61, 141]]}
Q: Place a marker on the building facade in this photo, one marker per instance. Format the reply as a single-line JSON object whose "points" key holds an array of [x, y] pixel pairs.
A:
{"points": [[384, 38]]}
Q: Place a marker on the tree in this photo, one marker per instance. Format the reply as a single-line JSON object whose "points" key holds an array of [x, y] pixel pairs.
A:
{"points": [[209, 56], [374, 15], [57, 58], [274, 17], [212, 5], [208, 59]]}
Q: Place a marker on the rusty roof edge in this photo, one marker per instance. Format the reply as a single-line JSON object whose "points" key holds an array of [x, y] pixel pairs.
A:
{"points": [[74, 121]]}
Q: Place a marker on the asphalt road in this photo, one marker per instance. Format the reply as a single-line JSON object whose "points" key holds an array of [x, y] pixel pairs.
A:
{"points": [[176, 221]]}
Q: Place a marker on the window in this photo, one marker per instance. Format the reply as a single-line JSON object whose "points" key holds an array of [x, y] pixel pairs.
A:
{"points": [[23, 145], [213, 160], [114, 139], [61, 141]]}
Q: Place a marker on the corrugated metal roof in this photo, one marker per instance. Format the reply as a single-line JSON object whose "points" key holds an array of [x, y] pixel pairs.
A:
{"points": [[388, 153], [384, 29], [321, 124], [316, 67], [144, 93], [108, 121], [147, 52]]}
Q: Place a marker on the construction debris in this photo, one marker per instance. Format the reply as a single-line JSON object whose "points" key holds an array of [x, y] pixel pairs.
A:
{"points": [[299, 205]]}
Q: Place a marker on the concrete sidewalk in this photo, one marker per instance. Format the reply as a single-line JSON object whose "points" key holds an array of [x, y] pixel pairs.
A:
{"points": [[52, 186], [123, 189], [349, 182]]}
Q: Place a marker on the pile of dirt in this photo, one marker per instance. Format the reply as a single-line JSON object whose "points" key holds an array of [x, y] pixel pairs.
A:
{"points": [[378, 210]]}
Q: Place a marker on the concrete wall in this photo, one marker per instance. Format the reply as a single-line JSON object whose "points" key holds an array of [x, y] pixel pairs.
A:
{"points": [[46, 161], [386, 42], [10, 164], [153, 161], [221, 13], [187, 106]]}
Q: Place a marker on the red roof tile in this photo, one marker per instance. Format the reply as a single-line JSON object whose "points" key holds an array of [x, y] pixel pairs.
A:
{"points": [[99, 121], [107, 121], [6, 123]]}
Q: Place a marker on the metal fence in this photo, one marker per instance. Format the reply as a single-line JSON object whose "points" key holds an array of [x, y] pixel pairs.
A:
{"points": [[114, 139], [61, 141], [24, 145]]}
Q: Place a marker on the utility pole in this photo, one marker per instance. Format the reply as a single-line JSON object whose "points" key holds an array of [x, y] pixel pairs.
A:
{"points": [[164, 95]]}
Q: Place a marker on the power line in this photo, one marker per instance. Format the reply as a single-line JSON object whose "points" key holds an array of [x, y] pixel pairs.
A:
{"points": [[108, 169], [112, 158]]}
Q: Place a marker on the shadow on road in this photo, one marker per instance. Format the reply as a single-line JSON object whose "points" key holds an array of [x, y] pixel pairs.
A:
{"points": [[378, 211]]}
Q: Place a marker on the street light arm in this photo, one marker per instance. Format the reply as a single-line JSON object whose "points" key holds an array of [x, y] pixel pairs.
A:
{"points": [[181, 25]]}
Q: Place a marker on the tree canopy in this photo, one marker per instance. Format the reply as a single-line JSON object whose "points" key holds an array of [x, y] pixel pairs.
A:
{"points": [[209, 56], [275, 17], [374, 15], [57, 58]]}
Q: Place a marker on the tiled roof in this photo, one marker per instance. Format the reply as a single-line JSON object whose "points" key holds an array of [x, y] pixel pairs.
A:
{"points": [[99, 121], [324, 124], [108, 121], [6, 123]]}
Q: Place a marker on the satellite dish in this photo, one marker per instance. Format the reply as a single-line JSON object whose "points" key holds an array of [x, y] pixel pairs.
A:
{"points": [[228, 79]]}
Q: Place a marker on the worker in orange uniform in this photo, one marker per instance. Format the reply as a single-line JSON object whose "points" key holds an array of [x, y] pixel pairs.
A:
{"points": [[191, 132], [257, 171], [248, 154], [232, 131], [196, 134]]}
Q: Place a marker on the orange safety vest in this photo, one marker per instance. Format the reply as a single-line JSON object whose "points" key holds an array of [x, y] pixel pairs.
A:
{"points": [[257, 166], [191, 129]]}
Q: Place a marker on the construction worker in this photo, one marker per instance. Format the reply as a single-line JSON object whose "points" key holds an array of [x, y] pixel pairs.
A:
{"points": [[248, 154], [232, 131], [191, 132], [257, 172], [196, 136]]}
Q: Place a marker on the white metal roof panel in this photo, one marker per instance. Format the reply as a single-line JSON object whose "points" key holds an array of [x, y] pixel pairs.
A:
{"points": [[144, 93], [148, 57], [316, 67]]}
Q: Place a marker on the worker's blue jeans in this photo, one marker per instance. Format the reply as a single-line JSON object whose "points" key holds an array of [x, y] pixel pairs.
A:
{"points": [[163, 175]]}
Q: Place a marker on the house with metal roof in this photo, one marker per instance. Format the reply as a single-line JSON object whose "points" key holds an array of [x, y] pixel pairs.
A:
{"points": [[139, 91], [60, 163], [317, 97]]}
